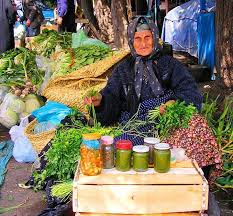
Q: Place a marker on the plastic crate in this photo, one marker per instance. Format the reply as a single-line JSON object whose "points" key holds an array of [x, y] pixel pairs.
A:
{"points": [[48, 14]]}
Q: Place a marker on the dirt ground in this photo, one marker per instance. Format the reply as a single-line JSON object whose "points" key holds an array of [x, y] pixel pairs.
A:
{"points": [[12, 195], [33, 203]]}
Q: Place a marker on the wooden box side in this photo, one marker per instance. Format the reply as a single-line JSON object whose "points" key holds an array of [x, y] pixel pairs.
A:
{"points": [[168, 214], [140, 199]]}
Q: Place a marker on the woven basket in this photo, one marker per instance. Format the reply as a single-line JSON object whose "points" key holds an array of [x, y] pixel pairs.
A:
{"points": [[71, 88], [38, 141]]}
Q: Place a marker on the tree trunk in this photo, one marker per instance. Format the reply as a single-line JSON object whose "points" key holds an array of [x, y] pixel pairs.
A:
{"points": [[87, 7], [224, 40], [120, 23], [104, 18]]}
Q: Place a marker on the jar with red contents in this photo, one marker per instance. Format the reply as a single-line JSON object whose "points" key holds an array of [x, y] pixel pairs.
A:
{"points": [[123, 155], [107, 150]]}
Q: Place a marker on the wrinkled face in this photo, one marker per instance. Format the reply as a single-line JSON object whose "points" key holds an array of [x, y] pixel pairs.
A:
{"points": [[143, 42]]}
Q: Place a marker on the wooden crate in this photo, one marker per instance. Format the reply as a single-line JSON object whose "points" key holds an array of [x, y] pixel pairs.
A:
{"points": [[168, 214], [182, 189]]}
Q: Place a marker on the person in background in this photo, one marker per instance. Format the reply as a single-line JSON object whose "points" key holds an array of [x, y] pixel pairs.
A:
{"points": [[33, 16], [66, 16], [7, 15], [19, 10]]}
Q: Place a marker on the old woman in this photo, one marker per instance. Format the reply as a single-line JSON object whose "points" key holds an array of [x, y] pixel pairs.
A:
{"points": [[148, 79]]}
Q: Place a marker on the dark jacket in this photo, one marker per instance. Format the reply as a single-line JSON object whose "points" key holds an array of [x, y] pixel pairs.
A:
{"points": [[33, 13], [7, 17], [119, 94]]}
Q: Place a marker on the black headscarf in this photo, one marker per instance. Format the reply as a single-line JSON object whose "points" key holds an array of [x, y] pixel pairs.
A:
{"points": [[144, 65]]}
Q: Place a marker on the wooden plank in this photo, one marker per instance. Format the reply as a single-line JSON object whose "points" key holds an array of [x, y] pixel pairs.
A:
{"points": [[183, 164], [111, 177], [85, 21], [168, 214], [139, 199]]}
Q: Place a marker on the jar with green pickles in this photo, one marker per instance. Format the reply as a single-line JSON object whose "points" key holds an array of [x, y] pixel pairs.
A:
{"points": [[162, 157], [123, 155], [150, 142], [140, 158]]}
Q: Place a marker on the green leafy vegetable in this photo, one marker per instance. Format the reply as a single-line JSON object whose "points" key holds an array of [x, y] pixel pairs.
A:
{"points": [[177, 115], [64, 153]]}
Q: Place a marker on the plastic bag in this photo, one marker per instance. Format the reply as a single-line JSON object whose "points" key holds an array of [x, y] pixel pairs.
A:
{"points": [[52, 112], [43, 126], [23, 150], [46, 65], [178, 154], [80, 39], [8, 117], [3, 92], [19, 30]]}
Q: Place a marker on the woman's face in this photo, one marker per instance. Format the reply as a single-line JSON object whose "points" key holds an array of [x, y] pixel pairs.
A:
{"points": [[143, 42]]}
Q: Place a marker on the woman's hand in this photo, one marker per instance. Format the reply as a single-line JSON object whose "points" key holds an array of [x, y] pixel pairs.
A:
{"points": [[162, 108], [59, 20], [95, 100]]}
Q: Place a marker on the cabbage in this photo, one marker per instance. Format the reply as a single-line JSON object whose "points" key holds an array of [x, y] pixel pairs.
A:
{"points": [[32, 103], [17, 105], [4, 64], [30, 96], [9, 119], [23, 115], [3, 92]]}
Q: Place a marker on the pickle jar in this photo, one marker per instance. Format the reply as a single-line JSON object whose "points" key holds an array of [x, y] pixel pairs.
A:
{"points": [[107, 150], [150, 142], [123, 155], [162, 157], [91, 159], [140, 158]]}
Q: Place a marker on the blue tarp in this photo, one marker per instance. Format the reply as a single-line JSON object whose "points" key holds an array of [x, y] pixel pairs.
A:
{"points": [[180, 26], [6, 150], [206, 40]]}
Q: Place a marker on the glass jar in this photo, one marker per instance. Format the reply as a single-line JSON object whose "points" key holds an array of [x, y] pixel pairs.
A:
{"points": [[150, 142], [123, 155], [162, 157], [91, 160], [140, 158], [107, 150]]}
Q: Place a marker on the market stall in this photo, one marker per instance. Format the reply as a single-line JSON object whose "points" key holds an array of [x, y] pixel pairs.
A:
{"points": [[64, 68]]}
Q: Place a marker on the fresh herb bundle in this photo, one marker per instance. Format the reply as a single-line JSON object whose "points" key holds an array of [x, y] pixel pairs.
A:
{"points": [[64, 152], [46, 42], [18, 66], [177, 115], [70, 60], [63, 190]]}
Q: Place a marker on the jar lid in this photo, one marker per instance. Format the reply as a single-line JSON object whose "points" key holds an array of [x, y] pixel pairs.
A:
{"points": [[107, 140], [151, 140], [162, 146], [91, 136], [124, 145], [141, 148]]}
